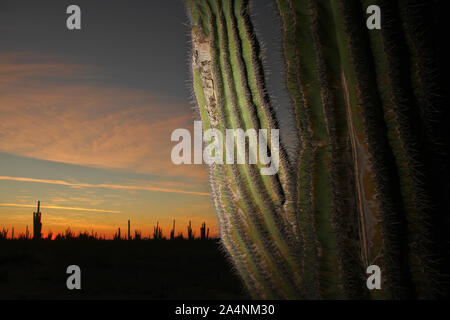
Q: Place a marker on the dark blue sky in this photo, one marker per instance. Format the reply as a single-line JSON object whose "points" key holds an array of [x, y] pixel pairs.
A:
{"points": [[138, 43], [141, 44]]}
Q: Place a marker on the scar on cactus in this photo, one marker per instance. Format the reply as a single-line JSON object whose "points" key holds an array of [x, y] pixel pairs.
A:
{"points": [[364, 186]]}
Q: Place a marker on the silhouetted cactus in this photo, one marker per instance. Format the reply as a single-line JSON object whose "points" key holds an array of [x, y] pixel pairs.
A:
{"points": [[70, 235], [3, 234], [360, 190], [37, 224], [22, 236], [137, 235], [204, 233], [83, 236], [117, 235], [190, 233], [157, 232], [172, 232]]}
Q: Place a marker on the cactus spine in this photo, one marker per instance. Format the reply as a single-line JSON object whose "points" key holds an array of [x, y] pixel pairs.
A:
{"points": [[358, 191]]}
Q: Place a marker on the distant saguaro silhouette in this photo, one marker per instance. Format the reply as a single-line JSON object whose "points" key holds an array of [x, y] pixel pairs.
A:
{"points": [[157, 232], [172, 232], [37, 225], [204, 232], [190, 233]]}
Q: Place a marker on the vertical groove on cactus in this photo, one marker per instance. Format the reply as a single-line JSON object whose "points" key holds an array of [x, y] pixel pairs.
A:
{"points": [[402, 118], [377, 177], [359, 191], [311, 102]]}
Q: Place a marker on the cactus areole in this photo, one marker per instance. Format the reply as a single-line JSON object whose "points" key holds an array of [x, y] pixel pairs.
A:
{"points": [[359, 194]]}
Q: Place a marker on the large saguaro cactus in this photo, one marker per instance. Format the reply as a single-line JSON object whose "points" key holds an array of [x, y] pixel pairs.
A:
{"points": [[361, 189]]}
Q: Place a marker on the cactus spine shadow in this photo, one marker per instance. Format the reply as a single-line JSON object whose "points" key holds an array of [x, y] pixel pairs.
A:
{"points": [[359, 190]]}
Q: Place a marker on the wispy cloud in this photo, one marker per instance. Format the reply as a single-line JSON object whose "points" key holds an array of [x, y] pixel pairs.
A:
{"points": [[50, 111], [22, 205], [105, 186], [18, 68]]}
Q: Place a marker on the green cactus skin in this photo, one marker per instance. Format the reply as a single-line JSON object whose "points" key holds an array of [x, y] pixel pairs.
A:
{"points": [[358, 192]]}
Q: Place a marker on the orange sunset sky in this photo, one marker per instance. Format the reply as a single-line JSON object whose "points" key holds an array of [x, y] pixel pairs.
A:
{"points": [[86, 118]]}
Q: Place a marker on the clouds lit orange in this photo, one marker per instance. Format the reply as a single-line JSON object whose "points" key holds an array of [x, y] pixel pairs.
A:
{"points": [[95, 153]]}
